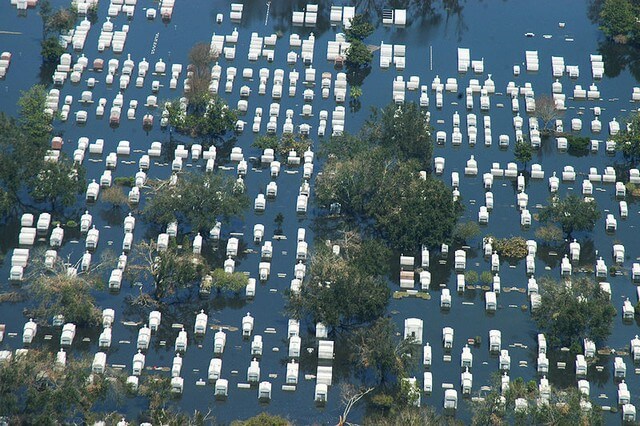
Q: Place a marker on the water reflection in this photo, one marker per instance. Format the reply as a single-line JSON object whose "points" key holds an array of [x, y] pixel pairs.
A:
{"points": [[618, 57]]}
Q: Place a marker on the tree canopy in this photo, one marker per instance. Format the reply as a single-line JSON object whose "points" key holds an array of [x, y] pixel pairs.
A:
{"points": [[205, 116], [562, 407], [23, 144], [570, 312], [343, 290], [360, 28], [375, 177], [523, 152], [411, 211], [376, 350], [34, 391], [169, 270], [197, 200], [572, 213], [618, 20], [628, 139]]}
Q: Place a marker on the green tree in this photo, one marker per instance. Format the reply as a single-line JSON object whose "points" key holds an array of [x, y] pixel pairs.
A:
{"points": [[266, 142], [351, 182], [358, 56], [571, 213], [411, 211], [339, 293], [523, 152], [235, 282], [69, 295], [33, 390], [563, 406], [168, 270], [60, 21], [196, 199], [570, 313], [618, 19], [466, 231], [578, 145], [377, 353], [263, 419], [58, 182], [403, 131], [51, 50], [360, 29], [34, 122], [205, 116], [628, 139]]}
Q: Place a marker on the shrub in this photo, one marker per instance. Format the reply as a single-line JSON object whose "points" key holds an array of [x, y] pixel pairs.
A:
{"points": [[550, 233], [514, 247], [578, 145], [471, 277], [466, 231], [486, 277], [128, 181]]}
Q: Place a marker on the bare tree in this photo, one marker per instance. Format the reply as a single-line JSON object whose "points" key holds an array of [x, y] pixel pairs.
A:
{"points": [[546, 111], [200, 57], [350, 397]]}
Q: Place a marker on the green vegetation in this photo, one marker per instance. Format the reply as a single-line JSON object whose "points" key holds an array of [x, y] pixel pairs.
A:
{"points": [[69, 295], [288, 142], [466, 231], [523, 152], [355, 92], [376, 175], [196, 200], [344, 291], [54, 23], [572, 213], [628, 139], [569, 313], [377, 354], [204, 115], [33, 390], [403, 132], [51, 50], [409, 416], [564, 407], [578, 145], [486, 277], [511, 248], [262, 419], [23, 145], [410, 211], [128, 181], [550, 233], [235, 282], [360, 28], [618, 20], [471, 277], [358, 56], [168, 270]]}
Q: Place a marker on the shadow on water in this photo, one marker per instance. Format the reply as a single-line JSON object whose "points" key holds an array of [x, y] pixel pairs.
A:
{"points": [[618, 57]]}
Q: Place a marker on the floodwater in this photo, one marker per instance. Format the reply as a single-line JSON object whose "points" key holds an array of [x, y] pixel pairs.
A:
{"points": [[494, 31]]}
